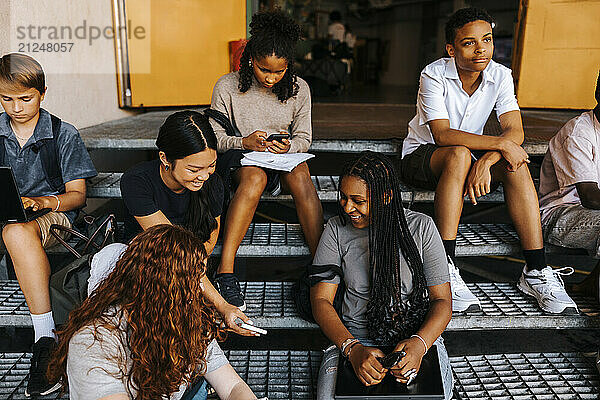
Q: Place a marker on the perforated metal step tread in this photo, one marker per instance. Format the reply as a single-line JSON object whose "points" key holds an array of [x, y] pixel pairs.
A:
{"points": [[107, 185], [271, 306], [293, 374], [527, 376], [287, 240]]}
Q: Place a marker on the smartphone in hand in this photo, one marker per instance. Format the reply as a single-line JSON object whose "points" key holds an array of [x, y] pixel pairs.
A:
{"points": [[278, 137]]}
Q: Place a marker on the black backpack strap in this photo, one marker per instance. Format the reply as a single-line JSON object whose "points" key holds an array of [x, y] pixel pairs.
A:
{"points": [[224, 121], [50, 157]]}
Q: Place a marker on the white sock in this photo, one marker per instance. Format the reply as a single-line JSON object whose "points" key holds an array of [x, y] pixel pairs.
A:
{"points": [[43, 325]]}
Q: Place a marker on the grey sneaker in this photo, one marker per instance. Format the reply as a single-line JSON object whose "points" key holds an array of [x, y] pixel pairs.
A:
{"points": [[548, 288]]}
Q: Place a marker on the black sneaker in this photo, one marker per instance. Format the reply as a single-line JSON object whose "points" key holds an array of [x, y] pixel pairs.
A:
{"points": [[228, 286], [38, 383]]}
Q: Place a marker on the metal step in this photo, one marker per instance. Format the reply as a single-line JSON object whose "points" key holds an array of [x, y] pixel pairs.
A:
{"points": [[293, 374], [107, 185], [287, 240], [270, 305], [106, 139]]}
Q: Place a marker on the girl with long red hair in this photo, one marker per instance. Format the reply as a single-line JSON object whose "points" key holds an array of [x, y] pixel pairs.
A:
{"points": [[147, 332]]}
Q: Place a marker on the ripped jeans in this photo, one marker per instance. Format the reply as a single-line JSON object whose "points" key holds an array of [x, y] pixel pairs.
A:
{"points": [[329, 363]]}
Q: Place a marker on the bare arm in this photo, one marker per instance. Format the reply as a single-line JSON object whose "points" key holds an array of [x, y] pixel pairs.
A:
{"points": [[439, 314], [436, 320], [507, 145], [228, 384], [321, 300], [363, 359], [478, 182], [119, 396], [73, 198], [210, 245], [589, 193], [149, 221], [229, 312]]}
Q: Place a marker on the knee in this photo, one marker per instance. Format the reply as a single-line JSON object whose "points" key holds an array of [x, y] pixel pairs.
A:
{"points": [[458, 158], [253, 183], [299, 178], [519, 177], [14, 234]]}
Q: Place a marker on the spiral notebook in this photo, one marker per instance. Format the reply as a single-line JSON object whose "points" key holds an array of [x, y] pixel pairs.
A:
{"points": [[426, 386]]}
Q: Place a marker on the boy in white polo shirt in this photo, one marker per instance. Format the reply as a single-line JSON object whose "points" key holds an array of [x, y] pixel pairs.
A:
{"points": [[569, 192], [446, 151]]}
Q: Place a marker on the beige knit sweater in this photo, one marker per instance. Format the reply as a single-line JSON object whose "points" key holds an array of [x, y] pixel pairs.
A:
{"points": [[259, 109]]}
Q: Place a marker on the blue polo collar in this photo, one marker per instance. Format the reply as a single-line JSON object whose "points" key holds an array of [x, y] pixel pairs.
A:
{"points": [[43, 128]]}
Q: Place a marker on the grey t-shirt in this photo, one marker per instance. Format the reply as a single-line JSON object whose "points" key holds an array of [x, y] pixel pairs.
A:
{"points": [[260, 109], [93, 369], [348, 247]]}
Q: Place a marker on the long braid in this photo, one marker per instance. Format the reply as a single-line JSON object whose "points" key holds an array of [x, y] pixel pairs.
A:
{"points": [[390, 319]]}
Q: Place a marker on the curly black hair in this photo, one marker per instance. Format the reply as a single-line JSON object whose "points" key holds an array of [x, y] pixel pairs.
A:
{"points": [[271, 33], [462, 17], [390, 319]]}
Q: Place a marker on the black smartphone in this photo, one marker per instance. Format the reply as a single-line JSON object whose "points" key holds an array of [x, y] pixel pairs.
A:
{"points": [[278, 136]]}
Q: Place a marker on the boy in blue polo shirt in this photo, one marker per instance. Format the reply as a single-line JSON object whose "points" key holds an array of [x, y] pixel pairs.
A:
{"points": [[445, 151], [24, 129]]}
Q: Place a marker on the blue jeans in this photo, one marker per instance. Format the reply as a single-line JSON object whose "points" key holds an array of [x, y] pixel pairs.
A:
{"points": [[329, 363]]}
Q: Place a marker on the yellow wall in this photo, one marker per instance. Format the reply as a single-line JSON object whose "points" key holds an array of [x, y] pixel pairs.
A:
{"points": [[188, 50], [558, 53]]}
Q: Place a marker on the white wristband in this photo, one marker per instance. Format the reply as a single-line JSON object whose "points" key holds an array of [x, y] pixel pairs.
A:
{"points": [[57, 200], [422, 341]]}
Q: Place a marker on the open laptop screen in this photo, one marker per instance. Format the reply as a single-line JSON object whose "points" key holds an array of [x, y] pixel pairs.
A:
{"points": [[11, 208]]}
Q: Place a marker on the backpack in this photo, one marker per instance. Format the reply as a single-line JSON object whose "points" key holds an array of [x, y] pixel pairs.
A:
{"points": [[301, 289], [49, 156], [68, 286]]}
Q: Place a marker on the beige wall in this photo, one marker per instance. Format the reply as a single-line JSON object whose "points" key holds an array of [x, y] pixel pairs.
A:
{"points": [[87, 94]]}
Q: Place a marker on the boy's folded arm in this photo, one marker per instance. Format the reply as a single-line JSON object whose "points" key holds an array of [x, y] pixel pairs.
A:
{"points": [[589, 194], [446, 136]]}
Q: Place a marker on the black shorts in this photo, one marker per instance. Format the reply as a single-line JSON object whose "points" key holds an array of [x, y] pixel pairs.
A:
{"points": [[230, 161], [415, 168]]}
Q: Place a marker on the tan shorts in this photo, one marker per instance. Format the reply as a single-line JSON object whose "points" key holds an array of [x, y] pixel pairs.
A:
{"points": [[48, 219]]}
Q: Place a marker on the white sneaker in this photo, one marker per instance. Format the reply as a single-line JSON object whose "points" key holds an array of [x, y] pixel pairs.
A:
{"points": [[462, 298], [548, 288]]}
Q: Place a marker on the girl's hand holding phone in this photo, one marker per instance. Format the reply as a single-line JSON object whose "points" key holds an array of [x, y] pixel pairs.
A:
{"points": [[256, 141], [415, 351], [278, 147]]}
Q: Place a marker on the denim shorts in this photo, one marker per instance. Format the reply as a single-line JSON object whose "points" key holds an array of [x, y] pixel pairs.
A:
{"points": [[574, 226]]}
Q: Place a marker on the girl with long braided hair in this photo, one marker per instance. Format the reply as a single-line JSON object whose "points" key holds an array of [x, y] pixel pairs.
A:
{"points": [[264, 97], [394, 270]]}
